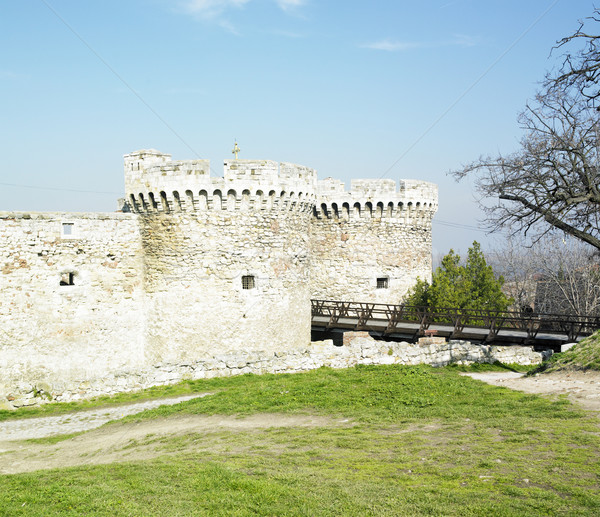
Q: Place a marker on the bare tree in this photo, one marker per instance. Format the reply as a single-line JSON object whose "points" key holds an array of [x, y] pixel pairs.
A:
{"points": [[511, 260], [553, 181], [555, 274], [580, 69]]}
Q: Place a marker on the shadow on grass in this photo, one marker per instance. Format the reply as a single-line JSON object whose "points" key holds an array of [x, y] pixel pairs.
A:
{"points": [[496, 366]]}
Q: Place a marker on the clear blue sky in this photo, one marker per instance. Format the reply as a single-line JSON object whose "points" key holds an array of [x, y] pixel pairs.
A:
{"points": [[355, 89]]}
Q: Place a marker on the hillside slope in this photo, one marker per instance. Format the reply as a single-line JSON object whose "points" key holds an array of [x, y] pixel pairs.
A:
{"points": [[583, 356]]}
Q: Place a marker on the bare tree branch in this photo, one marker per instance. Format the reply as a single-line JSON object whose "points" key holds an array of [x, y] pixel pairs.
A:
{"points": [[553, 181], [580, 69]]}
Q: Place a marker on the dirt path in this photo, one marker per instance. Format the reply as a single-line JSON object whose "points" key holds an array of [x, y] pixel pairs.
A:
{"points": [[579, 387], [42, 427], [144, 440], [149, 439]]}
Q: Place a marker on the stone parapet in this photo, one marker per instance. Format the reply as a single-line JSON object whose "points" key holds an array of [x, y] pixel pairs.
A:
{"points": [[58, 216], [414, 201], [154, 183]]}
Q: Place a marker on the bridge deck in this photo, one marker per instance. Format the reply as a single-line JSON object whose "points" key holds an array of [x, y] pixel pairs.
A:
{"points": [[407, 322], [409, 330]]}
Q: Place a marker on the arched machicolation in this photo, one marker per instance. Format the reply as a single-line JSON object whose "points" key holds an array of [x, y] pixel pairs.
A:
{"points": [[415, 201], [213, 199]]}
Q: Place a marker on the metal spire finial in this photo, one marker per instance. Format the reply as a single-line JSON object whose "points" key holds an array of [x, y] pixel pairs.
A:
{"points": [[235, 150]]}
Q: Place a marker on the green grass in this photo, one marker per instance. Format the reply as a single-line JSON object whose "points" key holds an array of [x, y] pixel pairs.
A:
{"points": [[58, 408], [48, 440], [492, 367], [416, 441], [184, 388], [365, 393], [583, 356]]}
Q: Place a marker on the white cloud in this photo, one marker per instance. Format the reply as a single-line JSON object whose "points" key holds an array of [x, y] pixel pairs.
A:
{"points": [[218, 11], [7, 74], [286, 5], [210, 9], [392, 46], [458, 40], [229, 27], [463, 40]]}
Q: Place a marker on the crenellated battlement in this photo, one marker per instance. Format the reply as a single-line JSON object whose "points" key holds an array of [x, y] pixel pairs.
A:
{"points": [[155, 183], [376, 198]]}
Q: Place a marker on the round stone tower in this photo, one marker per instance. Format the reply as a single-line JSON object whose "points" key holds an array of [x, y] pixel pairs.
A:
{"points": [[226, 259], [372, 243]]}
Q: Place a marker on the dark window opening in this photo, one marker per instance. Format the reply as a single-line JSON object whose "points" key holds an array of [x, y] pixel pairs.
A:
{"points": [[67, 279], [382, 283], [248, 282]]}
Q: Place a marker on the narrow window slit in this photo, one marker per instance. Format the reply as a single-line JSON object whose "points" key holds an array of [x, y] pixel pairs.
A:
{"points": [[67, 278], [248, 282], [382, 283], [67, 228]]}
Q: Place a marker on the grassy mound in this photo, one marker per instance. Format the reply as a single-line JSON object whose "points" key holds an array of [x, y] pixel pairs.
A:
{"points": [[583, 356], [395, 440]]}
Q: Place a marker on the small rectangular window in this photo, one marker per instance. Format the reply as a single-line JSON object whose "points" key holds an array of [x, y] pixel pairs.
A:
{"points": [[248, 282], [67, 278], [67, 228], [382, 283]]}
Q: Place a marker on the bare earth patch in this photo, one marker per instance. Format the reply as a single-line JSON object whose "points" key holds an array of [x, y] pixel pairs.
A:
{"points": [[582, 388], [144, 440], [119, 442], [78, 421]]}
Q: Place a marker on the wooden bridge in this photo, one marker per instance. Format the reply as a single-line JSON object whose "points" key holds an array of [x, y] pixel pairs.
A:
{"points": [[410, 322]]}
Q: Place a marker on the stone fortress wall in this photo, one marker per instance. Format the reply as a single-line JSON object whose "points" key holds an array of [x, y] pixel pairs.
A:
{"points": [[372, 243], [71, 298], [226, 259], [204, 270]]}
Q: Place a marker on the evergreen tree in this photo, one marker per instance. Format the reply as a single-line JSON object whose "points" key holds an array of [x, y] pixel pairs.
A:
{"points": [[469, 286]]}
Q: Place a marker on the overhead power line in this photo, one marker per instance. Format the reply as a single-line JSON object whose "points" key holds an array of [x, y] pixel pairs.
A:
{"points": [[459, 226], [120, 78], [475, 83], [61, 189]]}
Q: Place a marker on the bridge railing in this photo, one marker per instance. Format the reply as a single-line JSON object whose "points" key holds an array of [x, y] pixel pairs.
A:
{"points": [[362, 315]]}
